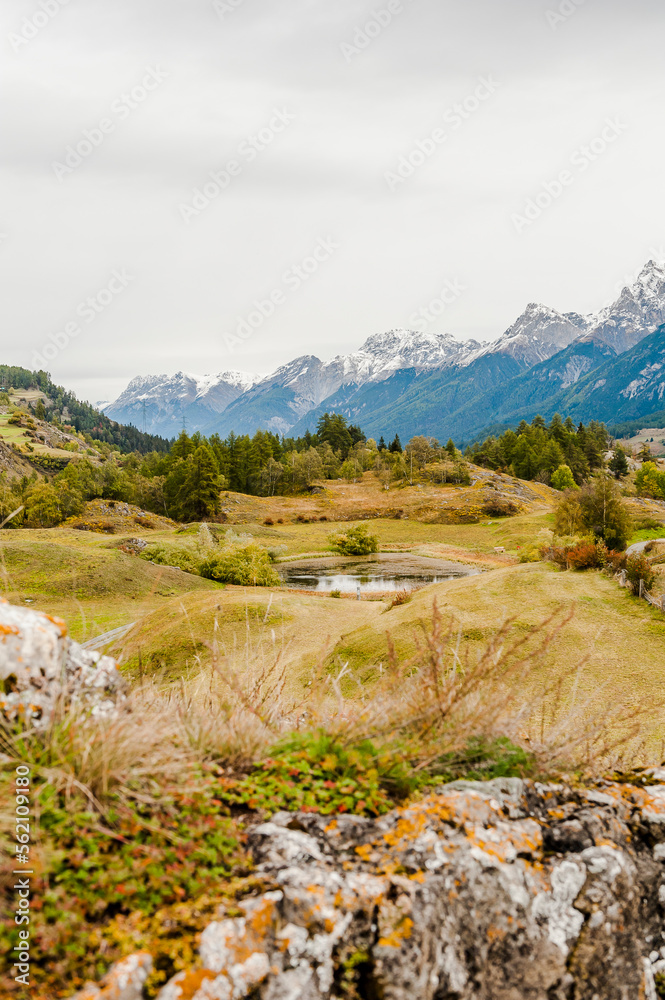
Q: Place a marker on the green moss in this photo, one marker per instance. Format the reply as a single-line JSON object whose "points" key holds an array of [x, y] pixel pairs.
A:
{"points": [[108, 883]]}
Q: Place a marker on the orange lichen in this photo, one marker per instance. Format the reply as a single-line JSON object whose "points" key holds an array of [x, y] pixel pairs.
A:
{"points": [[58, 622], [191, 983], [262, 918], [398, 935]]}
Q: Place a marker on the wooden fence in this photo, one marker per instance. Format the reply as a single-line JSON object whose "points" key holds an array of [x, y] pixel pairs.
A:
{"points": [[643, 593]]}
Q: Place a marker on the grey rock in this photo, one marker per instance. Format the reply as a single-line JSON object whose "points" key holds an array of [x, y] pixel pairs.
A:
{"points": [[124, 981], [455, 897], [40, 666]]}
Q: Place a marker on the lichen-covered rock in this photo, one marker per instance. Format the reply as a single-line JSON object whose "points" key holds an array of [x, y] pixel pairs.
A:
{"points": [[124, 981], [504, 890], [40, 665]]}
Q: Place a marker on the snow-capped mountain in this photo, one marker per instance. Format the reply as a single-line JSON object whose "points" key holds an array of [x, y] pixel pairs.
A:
{"points": [[161, 404], [397, 371], [638, 311], [541, 332], [385, 353], [538, 334], [280, 400]]}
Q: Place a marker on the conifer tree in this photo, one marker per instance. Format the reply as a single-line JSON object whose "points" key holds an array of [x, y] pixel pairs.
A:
{"points": [[198, 496]]}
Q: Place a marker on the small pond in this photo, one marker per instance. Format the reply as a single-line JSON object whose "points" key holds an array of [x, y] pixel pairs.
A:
{"points": [[382, 573]]}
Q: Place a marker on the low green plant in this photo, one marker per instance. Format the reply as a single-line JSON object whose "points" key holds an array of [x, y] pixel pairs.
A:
{"points": [[105, 879], [246, 566], [354, 542], [164, 554], [318, 772], [483, 759], [648, 524]]}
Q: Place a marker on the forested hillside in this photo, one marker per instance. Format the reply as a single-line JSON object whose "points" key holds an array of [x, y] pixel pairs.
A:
{"points": [[62, 406]]}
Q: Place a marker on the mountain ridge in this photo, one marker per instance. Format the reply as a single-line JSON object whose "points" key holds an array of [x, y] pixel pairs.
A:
{"points": [[408, 381]]}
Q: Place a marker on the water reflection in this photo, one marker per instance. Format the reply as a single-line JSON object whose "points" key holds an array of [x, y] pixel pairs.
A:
{"points": [[348, 583], [385, 574]]}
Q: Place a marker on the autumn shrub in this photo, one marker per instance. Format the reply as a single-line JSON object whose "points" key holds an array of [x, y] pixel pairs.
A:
{"points": [[638, 568], [584, 555], [144, 522], [500, 507], [533, 553], [558, 554], [401, 597], [616, 561], [354, 542], [98, 525]]}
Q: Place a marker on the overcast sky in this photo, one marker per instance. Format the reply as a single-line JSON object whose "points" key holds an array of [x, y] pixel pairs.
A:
{"points": [[314, 104]]}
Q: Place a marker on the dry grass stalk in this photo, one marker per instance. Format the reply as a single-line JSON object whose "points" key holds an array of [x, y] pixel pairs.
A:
{"points": [[425, 708]]}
